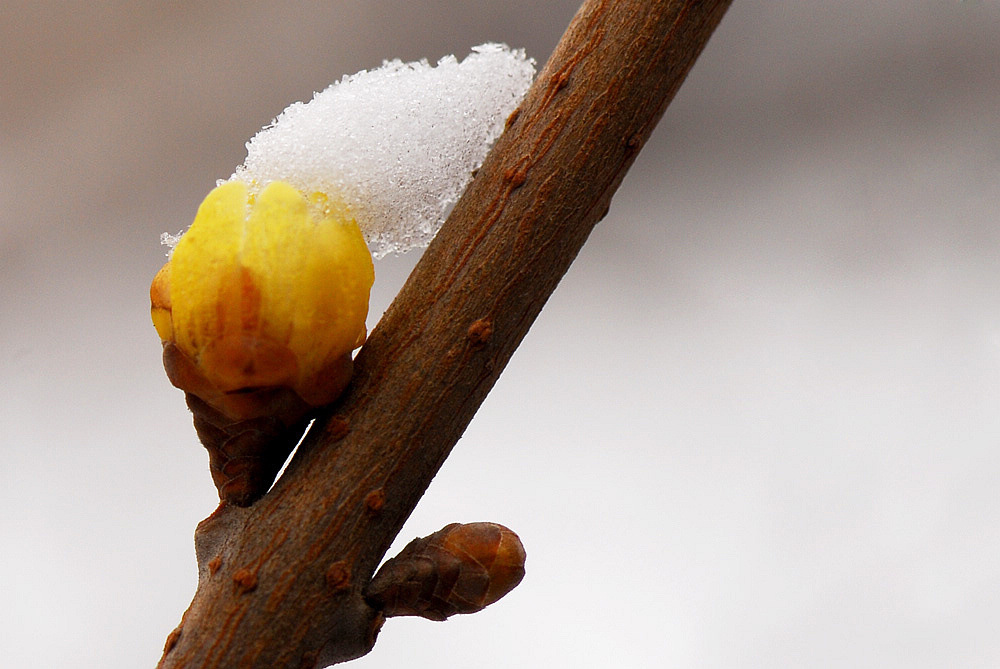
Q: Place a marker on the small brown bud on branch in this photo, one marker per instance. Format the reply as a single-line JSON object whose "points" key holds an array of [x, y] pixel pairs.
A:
{"points": [[458, 569]]}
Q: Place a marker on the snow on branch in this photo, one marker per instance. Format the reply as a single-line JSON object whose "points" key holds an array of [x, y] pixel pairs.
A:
{"points": [[397, 144]]}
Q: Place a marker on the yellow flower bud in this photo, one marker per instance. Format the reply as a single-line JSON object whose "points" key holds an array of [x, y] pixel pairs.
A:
{"points": [[263, 293]]}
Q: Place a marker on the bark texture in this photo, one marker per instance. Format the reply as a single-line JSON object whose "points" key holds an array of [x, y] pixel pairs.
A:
{"points": [[281, 582]]}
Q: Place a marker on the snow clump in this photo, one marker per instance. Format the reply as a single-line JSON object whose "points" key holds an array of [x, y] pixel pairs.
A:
{"points": [[397, 144]]}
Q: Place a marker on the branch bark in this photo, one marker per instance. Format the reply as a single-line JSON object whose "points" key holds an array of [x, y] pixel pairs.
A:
{"points": [[281, 583]]}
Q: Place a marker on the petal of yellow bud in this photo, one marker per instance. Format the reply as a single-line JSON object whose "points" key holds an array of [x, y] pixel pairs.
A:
{"points": [[159, 298]]}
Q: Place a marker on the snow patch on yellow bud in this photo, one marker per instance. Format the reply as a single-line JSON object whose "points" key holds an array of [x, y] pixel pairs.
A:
{"points": [[263, 291]]}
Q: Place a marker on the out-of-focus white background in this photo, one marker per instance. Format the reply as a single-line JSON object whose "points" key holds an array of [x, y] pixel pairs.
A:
{"points": [[755, 426]]}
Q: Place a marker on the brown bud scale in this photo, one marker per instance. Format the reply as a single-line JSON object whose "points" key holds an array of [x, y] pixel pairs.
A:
{"points": [[244, 457], [249, 432]]}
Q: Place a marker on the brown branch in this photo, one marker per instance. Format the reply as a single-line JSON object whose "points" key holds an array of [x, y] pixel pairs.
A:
{"points": [[281, 582]]}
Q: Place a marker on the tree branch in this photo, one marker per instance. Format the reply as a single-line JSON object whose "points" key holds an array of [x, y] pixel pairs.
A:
{"points": [[281, 583]]}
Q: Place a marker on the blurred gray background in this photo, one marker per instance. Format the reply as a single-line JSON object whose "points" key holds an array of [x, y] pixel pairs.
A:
{"points": [[755, 426]]}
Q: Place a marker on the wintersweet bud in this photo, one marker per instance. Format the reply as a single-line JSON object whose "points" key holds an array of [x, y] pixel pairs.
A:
{"points": [[263, 293]]}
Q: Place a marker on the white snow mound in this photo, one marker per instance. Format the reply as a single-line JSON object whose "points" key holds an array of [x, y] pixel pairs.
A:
{"points": [[398, 144]]}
